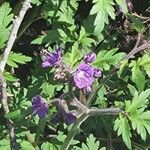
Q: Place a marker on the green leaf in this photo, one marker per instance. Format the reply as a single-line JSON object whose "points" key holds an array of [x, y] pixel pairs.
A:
{"points": [[137, 75], [5, 20], [145, 63], [132, 89], [84, 39], [49, 38], [10, 77], [48, 89], [19, 58], [26, 146], [102, 9], [67, 11], [36, 2], [88, 24], [123, 64], [137, 23], [123, 5], [5, 144], [122, 127], [91, 144], [74, 56], [138, 101], [39, 40], [106, 58], [141, 122], [48, 146], [13, 115]]}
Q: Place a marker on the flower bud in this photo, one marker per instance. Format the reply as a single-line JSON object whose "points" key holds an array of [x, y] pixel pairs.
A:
{"points": [[97, 72], [90, 57]]}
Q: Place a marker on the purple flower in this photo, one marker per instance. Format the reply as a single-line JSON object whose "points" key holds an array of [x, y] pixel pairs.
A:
{"points": [[64, 115], [97, 72], [83, 77], [39, 106], [129, 5], [69, 118], [52, 59], [90, 57], [87, 89]]}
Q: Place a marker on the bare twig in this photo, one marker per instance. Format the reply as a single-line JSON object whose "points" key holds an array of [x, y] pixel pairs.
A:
{"points": [[3, 97], [3, 91], [141, 17], [16, 24]]}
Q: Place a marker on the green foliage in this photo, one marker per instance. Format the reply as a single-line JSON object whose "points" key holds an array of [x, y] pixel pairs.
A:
{"points": [[135, 113], [122, 127], [5, 23], [91, 144], [9, 77], [78, 27], [36, 2], [106, 58], [137, 24], [19, 58], [138, 75], [48, 146], [103, 9], [5, 144], [123, 5], [138, 101], [74, 56], [26, 146], [66, 11], [84, 39]]}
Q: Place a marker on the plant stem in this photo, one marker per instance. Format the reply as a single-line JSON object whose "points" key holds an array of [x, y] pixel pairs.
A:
{"points": [[3, 91], [32, 141], [106, 111], [73, 131], [13, 35], [10, 125]]}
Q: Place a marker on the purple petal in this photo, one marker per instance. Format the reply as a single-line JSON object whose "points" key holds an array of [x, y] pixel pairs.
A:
{"points": [[90, 57], [58, 118], [97, 72], [52, 59], [39, 106], [69, 118], [83, 77]]}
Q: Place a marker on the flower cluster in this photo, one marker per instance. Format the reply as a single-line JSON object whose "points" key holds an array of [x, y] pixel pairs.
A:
{"points": [[40, 107], [85, 74], [83, 78]]}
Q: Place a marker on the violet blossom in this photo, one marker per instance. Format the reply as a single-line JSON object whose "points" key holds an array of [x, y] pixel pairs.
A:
{"points": [[83, 77], [39, 106], [52, 59], [64, 114], [90, 57], [97, 72]]}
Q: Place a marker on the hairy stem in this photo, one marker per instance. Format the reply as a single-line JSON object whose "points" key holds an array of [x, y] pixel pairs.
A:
{"points": [[73, 131], [106, 111]]}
